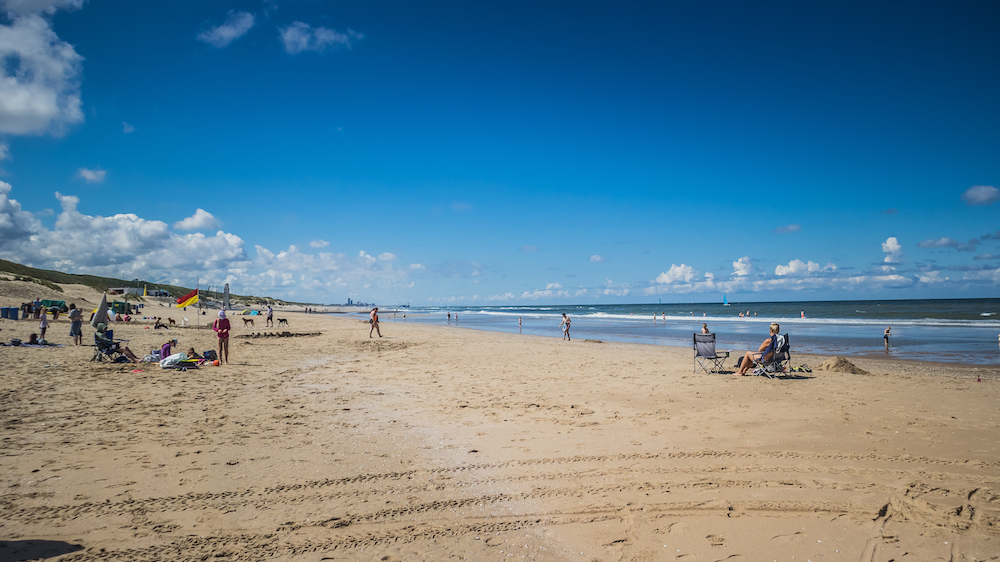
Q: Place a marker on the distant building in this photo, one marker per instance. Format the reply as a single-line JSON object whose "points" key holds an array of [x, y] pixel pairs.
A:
{"points": [[124, 291], [158, 293]]}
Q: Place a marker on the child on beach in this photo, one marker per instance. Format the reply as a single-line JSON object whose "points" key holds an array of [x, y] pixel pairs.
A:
{"points": [[43, 324], [565, 327], [222, 327]]}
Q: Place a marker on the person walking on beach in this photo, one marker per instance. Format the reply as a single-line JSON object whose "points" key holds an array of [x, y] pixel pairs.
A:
{"points": [[885, 337], [75, 321], [222, 327], [270, 317], [373, 319], [565, 327]]}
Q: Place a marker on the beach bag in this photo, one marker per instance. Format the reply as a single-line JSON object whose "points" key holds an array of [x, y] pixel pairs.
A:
{"points": [[172, 360], [121, 359], [210, 355], [15, 342]]}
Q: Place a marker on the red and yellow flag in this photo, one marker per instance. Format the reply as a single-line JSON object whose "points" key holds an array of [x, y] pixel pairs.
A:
{"points": [[188, 299]]}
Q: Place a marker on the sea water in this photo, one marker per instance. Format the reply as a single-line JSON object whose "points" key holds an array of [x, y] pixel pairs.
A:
{"points": [[948, 330]]}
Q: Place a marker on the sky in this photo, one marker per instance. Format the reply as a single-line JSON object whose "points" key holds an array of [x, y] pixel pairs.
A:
{"points": [[466, 153]]}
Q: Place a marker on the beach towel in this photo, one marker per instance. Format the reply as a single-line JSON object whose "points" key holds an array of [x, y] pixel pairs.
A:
{"points": [[172, 361]]}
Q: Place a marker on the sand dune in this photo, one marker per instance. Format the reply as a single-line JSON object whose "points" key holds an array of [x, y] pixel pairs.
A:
{"points": [[439, 443]]}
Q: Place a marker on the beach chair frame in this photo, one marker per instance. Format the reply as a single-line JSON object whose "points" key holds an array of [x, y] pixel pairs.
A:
{"points": [[709, 359], [778, 364]]}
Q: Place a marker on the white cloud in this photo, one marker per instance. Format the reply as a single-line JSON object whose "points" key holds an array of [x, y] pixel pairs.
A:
{"points": [[553, 286], [946, 242], [893, 250], [237, 24], [40, 78], [91, 176], [981, 195], [677, 273], [596, 258], [319, 243], [743, 267], [787, 229], [387, 256], [16, 225], [4, 151], [126, 128], [797, 267], [417, 266], [200, 220], [300, 37], [17, 8]]}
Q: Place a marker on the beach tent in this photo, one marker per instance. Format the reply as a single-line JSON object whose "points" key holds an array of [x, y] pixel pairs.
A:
{"points": [[101, 314], [47, 304]]}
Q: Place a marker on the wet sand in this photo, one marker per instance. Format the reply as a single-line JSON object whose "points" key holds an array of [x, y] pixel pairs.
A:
{"points": [[441, 443]]}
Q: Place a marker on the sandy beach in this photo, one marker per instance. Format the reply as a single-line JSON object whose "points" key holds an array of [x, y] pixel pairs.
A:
{"points": [[442, 443]]}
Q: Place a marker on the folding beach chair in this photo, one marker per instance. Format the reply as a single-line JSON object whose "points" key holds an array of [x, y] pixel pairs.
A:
{"points": [[104, 353], [779, 361], [706, 356]]}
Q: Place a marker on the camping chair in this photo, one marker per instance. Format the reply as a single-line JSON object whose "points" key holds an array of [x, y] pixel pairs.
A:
{"points": [[706, 356], [778, 362], [105, 352]]}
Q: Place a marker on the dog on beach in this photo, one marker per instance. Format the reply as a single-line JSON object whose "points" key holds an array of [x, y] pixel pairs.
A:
{"points": [[171, 320], [247, 322], [282, 322]]}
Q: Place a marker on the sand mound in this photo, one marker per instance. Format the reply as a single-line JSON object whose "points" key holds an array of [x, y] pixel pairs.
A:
{"points": [[841, 365]]}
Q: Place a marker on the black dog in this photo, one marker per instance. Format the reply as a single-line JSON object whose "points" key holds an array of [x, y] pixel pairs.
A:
{"points": [[282, 321]]}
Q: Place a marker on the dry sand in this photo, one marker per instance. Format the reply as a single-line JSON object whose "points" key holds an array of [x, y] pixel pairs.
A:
{"points": [[440, 443]]}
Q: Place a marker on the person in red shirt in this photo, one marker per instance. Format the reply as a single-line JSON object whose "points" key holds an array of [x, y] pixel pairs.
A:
{"points": [[221, 327]]}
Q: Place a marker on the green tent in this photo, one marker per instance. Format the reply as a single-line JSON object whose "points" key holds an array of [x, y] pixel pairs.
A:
{"points": [[47, 304]]}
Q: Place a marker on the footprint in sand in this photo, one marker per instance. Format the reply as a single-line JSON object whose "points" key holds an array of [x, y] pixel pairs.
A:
{"points": [[781, 539], [677, 528], [733, 558], [715, 540]]}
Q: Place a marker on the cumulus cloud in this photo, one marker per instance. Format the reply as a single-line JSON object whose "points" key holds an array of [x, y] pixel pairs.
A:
{"points": [[41, 74], [300, 37], [126, 128], [200, 220], [743, 267], [417, 266], [16, 225], [981, 195], [986, 257], [237, 24], [553, 286], [387, 256], [596, 258], [4, 151], [319, 243], [797, 267], [91, 176], [787, 229], [677, 273], [946, 242], [893, 250]]}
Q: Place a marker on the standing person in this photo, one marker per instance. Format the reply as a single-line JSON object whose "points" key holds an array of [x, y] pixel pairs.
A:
{"points": [[75, 321], [373, 319], [270, 316], [449, 317], [565, 327], [43, 324], [885, 337], [519, 324], [36, 307], [222, 327]]}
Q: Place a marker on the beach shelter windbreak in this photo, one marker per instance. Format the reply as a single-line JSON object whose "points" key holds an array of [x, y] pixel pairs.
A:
{"points": [[188, 299], [101, 315]]}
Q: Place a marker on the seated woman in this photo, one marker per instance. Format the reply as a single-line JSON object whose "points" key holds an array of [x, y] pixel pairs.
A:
{"points": [[192, 354], [107, 345], [33, 339], [764, 352]]}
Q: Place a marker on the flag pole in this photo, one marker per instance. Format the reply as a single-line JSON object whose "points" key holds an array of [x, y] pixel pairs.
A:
{"points": [[196, 287]]}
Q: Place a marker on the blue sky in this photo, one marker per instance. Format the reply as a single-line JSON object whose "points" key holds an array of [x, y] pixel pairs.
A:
{"points": [[455, 152]]}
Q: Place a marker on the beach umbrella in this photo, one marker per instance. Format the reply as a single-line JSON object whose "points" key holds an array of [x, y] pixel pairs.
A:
{"points": [[102, 312]]}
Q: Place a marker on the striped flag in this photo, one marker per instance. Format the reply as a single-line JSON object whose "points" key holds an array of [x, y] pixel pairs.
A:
{"points": [[188, 299]]}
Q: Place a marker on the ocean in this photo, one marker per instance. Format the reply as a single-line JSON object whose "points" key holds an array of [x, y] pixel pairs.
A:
{"points": [[946, 330]]}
